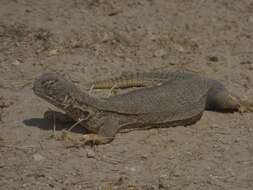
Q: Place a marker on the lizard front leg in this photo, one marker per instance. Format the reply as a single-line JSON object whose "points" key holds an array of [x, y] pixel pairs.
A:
{"points": [[105, 134]]}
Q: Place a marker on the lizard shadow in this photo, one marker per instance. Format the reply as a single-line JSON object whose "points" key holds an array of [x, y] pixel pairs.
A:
{"points": [[48, 125]]}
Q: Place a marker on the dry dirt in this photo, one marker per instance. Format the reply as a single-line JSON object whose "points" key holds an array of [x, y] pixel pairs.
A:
{"points": [[88, 40]]}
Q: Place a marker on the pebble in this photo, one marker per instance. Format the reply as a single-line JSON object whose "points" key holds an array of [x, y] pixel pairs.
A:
{"points": [[53, 52], [16, 62], [250, 19], [160, 53], [213, 58], [90, 153], [38, 157], [132, 169]]}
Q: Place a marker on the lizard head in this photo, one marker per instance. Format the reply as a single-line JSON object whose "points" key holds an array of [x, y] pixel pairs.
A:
{"points": [[66, 96], [53, 88]]}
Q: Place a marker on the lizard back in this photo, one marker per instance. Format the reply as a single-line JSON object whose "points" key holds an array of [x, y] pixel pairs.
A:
{"points": [[177, 96]]}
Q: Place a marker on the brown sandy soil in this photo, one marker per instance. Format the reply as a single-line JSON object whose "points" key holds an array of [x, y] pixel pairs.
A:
{"points": [[88, 40]]}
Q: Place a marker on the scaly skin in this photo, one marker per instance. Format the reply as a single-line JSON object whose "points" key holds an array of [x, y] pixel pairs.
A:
{"points": [[175, 102]]}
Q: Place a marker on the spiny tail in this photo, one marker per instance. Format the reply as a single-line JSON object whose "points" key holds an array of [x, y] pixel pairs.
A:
{"points": [[145, 79], [125, 81]]}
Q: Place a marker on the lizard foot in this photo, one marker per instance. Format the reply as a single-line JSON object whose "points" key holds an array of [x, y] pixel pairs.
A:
{"points": [[241, 105], [94, 139], [245, 106], [243, 109]]}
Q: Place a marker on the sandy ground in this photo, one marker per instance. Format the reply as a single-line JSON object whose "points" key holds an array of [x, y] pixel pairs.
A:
{"points": [[96, 39]]}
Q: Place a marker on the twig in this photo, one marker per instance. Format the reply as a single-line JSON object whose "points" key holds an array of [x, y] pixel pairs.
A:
{"points": [[76, 123], [54, 125], [91, 89], [111, 90], [19, 147]]}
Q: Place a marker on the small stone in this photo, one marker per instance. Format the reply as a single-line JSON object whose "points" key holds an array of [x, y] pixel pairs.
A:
{"points": [[160, 53], [38, 157], [213, 58], [218, 155], [245, 62], [132, 169], [76, 44], [28, 10], [51, 185], [119, 181], [53, 52], [90, 153], [214, 125], [152, 36], [161, 186], [144, 157], [16, 62], [177, 174], [250, 19], [179, 47], [115, 12]]}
